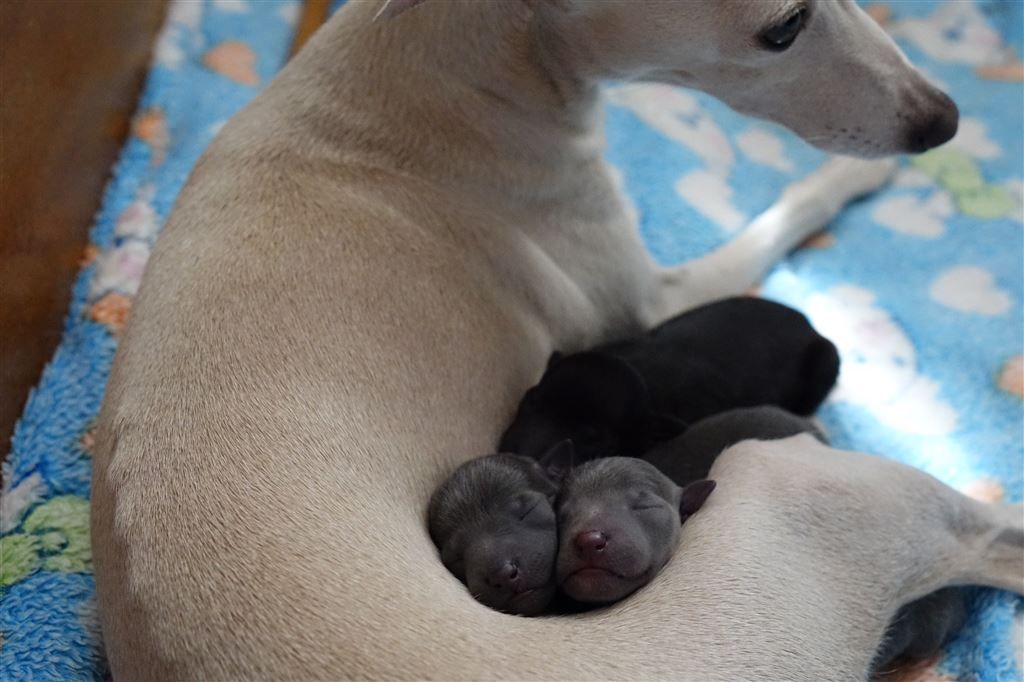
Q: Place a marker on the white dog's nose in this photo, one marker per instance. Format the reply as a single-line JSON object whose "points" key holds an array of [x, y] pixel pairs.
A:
{"points": [[941, 118]]}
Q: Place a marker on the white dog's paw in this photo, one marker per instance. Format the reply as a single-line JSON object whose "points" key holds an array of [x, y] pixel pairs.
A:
{"points": [[848, 177], [809, 204]]}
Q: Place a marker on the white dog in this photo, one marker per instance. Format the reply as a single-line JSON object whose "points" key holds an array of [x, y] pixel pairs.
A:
{"points": [[374, 260]]}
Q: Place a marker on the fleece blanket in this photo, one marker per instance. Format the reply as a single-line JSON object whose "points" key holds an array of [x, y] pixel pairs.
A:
{"points": [[920, 287]]}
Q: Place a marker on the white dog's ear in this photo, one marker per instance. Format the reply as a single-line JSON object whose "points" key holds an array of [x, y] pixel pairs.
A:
{"points": [[392, 8]]}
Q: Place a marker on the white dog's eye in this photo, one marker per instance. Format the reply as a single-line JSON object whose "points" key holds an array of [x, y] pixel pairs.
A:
{"points": [[782, 35]]}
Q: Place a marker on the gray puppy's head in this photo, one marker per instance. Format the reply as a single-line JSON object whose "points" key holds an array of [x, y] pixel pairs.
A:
{"points": [[493, 521], [619, 522]]}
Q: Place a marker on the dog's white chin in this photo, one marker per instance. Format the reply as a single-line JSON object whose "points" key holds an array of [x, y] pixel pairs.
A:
{"points": [[823, 140], [862, 149], [675, 77]]}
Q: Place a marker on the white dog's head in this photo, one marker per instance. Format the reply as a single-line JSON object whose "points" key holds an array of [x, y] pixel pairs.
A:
{"points": [[822, 68]]}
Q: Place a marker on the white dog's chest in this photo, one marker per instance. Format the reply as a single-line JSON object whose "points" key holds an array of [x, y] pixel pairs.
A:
{"points": [[595, 263]]}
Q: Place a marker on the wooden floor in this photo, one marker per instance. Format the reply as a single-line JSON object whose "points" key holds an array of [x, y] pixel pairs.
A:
{"points": [[70, 73]]}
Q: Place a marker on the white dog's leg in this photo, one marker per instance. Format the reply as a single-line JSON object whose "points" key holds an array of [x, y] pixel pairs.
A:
{"points": [[804, 208], [832, 543], [998, 550], [898, 520]]}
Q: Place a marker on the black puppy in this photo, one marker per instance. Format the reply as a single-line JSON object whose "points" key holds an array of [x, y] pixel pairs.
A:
{"points": [[619, 518], [625, 397], [493, 521]]}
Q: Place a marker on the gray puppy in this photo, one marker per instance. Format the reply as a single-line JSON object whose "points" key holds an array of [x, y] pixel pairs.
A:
{"points": [[493, 521], [619, 523], [619, 518], [689, 457]]}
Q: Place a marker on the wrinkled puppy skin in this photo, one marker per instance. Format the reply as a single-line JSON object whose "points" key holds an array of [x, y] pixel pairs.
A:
{"points": [[619, 523], [493, 521], [623, 398]]}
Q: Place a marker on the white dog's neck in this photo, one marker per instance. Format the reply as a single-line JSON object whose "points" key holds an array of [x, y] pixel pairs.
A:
{"points": [[487, 73], [508, 49]]}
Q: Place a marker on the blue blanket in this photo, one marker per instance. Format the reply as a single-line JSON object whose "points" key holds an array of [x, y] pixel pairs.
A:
{"points": [[919, 286]]}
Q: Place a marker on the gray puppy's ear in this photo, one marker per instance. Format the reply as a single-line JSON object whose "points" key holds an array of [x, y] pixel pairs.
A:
{"points": [[392, 8], [558, 461], [693, 497], [552, 359]]}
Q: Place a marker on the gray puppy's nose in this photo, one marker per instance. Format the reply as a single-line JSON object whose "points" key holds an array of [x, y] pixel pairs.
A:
{"points": [[505, 577], [590, 543]]}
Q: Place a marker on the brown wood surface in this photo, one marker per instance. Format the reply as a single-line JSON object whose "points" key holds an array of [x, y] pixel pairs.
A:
{"points": [[70, 73], [314, 14]]}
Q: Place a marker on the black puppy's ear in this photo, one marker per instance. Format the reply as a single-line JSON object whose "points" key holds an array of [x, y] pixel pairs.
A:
{"points": [[558, 461], [693, 497]]}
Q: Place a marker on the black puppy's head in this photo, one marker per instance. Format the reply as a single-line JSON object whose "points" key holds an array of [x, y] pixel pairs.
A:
{"points": [[493, 521], [596, 400], [619, 521]]}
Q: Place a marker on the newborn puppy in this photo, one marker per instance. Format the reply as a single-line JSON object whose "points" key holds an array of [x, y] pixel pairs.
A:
{"points": [[625, 397], [619, 522], [619, 518], [689, 457], [493, 521]]}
